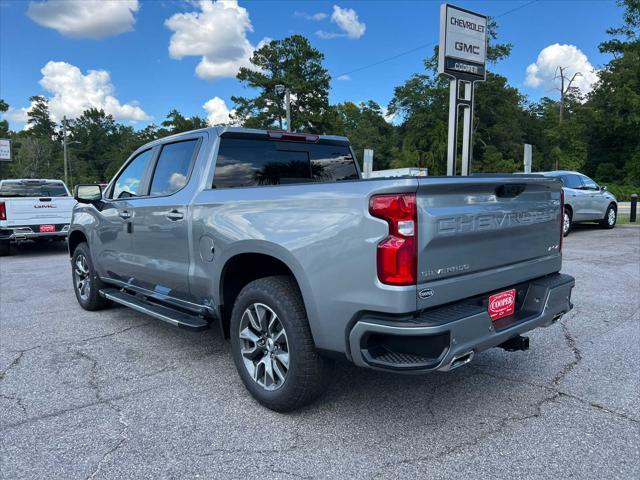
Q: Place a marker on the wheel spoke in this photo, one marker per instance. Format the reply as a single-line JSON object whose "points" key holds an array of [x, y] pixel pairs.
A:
{"points": [[253, 350], [80, 263], [268, 371], [247, 334], [261, 317], [277, 369], [283, 358], [256, 372], [272, 322], [252, 320], [280, 337]]}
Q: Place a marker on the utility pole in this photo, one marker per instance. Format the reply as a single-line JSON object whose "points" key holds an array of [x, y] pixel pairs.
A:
{"points": [[280, 89], [287, 101], [64, 150]]}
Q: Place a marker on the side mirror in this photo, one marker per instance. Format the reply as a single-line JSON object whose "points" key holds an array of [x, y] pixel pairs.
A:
{"points": [[603, 188], [87, 193]]}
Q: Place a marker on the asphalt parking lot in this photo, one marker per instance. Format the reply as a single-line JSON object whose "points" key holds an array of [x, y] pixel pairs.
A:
{"points": [[115, 394]]}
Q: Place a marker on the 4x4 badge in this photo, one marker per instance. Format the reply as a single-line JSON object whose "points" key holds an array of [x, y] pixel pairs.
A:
{"points": [[425, 293]]}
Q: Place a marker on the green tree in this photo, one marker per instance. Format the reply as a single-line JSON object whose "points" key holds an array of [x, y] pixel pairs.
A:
{"points": [[33, 158], [39, 120], [4, 125], [95, 134], [294, 63], [178, 123], [366, 127], [613, 117]]}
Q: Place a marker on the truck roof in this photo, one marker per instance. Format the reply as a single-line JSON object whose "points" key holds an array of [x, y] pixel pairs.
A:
{"points": [[31, 180], [219, 131]]}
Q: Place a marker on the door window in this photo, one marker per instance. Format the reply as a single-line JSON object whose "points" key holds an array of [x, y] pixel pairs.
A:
{"points": [[129, 182], [571, 181], [172, 169], [589, 184]]}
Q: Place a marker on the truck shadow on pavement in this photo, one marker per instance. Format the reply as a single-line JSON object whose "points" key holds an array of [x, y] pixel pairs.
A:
{"points": [[32, 249]]}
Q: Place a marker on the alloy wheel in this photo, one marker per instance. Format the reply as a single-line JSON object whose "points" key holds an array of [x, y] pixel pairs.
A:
{"points": [[264, 346], [82, 277], [567, 223], [611, 217]]}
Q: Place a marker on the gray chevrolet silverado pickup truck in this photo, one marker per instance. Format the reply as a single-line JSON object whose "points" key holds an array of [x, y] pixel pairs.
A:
{"points": [[275, 238]]}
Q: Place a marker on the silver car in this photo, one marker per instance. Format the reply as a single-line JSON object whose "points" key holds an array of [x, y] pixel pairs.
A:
{"points": [[585, 201]]}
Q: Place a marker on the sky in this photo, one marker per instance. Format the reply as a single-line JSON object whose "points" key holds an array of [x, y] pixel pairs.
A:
{"points": [[139, 59]]}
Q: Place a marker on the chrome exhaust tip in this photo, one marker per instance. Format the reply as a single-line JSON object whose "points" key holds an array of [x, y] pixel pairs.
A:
{"points": [[461, 360]]}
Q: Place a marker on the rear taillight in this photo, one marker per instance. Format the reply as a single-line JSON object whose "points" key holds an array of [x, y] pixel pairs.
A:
{"points": [[561, 219], [3, 211], [397, 253]]}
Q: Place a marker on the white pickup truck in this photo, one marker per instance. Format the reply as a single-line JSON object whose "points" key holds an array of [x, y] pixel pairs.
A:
{"points": [[33, 209]]}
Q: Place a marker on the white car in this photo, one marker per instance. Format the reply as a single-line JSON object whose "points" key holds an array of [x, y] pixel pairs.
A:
{"points": [[33, 209]]}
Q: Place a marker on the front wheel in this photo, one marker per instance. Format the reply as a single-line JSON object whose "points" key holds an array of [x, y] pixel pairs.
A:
{"points": [[610, 218], [86, 282], [273, 348]]}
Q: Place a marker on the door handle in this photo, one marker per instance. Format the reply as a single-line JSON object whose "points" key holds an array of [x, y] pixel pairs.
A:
{"points": [[125, 214], [175, 215]]}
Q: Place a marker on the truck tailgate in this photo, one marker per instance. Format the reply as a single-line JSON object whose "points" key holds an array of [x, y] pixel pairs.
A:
{"points": [[38, 211], [482, 233]]}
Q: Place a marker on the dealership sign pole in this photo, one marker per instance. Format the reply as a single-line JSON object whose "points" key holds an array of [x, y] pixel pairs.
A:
{"points": [[462, 58]]}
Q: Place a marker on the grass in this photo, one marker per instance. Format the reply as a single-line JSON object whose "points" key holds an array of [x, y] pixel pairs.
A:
{"points": [[623, 219]]}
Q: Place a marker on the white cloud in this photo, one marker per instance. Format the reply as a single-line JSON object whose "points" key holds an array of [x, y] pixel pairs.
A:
{"points": [[343, 77], [86, 18], [217, 33], [329, 35], [347, 21], [17, 115], [316, 17], [543, 72], [217, 112], [73, 93]]}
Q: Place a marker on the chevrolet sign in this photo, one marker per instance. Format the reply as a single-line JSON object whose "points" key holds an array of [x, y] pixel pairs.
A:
{"points": [[463, 43]]}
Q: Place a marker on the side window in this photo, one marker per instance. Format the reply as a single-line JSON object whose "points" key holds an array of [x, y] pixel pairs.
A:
{"points": [[571, 181], [589, 184], [129, 181], [172, 168], [248, 163], [331, 163]]}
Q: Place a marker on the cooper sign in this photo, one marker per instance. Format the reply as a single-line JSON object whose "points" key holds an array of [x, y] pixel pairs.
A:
{"points": [[463, 43]]}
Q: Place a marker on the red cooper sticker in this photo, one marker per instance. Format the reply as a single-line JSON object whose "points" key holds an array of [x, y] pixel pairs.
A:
{"points": [[502, 304]]}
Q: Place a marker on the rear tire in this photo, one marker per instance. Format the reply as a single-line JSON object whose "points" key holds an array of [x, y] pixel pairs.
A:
{"points": [[86, 282], [272, 345], [5, 248], [610, 217], [567, 222]]}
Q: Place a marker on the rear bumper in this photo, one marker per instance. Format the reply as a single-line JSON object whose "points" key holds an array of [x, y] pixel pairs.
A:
{"points": [[447, 337], [21, 233]]}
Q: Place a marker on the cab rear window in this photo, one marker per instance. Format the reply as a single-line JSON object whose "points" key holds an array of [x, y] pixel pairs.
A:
{"points": [[253, 162], [28, 189]]}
